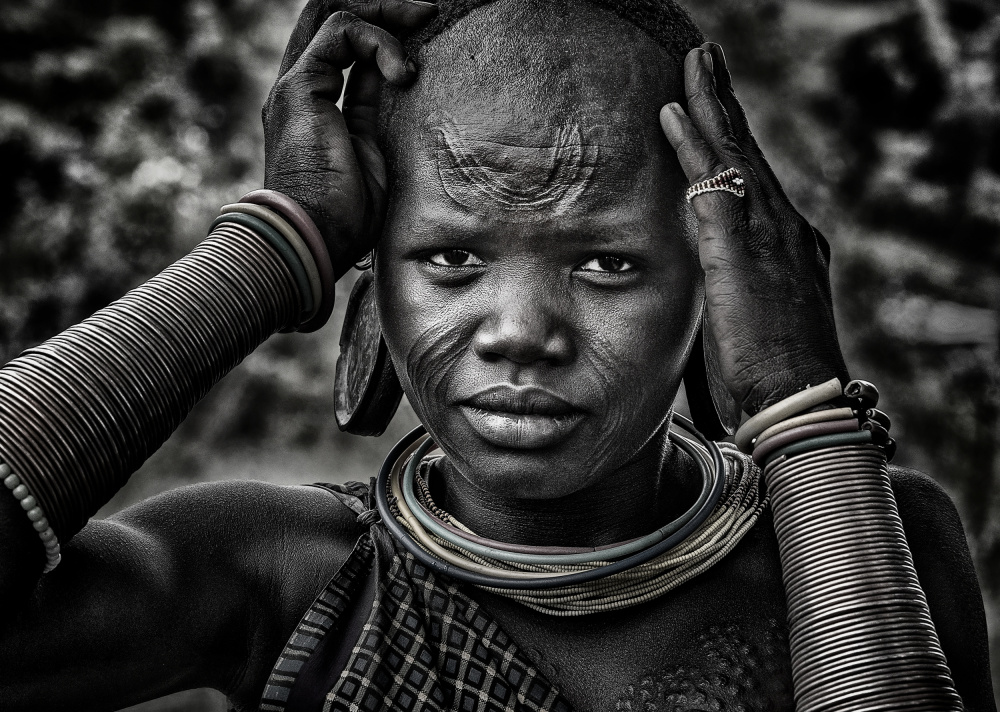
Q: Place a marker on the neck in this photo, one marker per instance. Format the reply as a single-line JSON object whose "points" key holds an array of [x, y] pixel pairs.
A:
{"points": [[636, 499]]}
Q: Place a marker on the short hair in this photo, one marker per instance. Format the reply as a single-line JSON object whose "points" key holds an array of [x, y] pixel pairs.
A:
{"points": [[664, 21]]}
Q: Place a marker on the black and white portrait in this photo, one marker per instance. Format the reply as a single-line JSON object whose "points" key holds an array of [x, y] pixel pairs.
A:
{"points": [[499, 355]]}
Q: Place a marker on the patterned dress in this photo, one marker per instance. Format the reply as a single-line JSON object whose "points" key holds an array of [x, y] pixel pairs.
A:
{"points": [[424, 647]]}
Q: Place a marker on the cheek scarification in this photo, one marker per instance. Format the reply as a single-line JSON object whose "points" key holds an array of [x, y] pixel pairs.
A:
{"points": [[617, 385], [437, 366], [547, 180], [431, 360]]}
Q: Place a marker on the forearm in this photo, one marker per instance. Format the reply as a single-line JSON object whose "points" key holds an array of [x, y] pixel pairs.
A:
{"points": [[81, 412]]}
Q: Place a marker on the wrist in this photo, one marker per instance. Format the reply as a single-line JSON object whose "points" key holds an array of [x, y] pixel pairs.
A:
{"points": [[300, 221], [792, 378], [821, 415]]}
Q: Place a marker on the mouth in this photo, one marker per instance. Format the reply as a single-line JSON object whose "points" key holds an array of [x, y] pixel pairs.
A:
{"points": [[522, 418]]}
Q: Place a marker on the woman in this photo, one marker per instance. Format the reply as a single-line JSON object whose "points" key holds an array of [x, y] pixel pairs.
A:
{"points": [[540, 284]]}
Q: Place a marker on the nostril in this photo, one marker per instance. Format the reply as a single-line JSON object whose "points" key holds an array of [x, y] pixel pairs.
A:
{"points": [[523, 341]]}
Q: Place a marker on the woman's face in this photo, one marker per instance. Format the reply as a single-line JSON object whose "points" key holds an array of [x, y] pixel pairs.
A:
{"points": [[537, 280]]}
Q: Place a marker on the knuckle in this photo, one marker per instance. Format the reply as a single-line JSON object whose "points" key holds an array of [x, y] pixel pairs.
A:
{"points": [[718, 210], [284, 86], [345, 22], [709, 169], [365, 8], [701, 98], [727, 143], [343, 17], [691, 150]]}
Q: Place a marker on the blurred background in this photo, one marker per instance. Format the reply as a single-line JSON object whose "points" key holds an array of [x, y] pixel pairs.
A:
{"points": [[124, 126]]}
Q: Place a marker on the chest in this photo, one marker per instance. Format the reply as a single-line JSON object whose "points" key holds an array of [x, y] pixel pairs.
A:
{"points": [[719, 642]]}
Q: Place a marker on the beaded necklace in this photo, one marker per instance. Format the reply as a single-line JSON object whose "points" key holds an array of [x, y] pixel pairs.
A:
{"points": [[570, 581]]}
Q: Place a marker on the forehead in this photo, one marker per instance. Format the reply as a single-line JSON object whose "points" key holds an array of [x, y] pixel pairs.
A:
{"points": [[536, 112]]}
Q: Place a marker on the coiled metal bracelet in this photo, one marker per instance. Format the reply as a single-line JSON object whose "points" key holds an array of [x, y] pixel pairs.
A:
{"points": [[82, 411], [860, 628]]}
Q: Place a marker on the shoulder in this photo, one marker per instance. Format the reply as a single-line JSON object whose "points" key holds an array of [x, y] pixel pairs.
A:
{"points": [[944, 566], [233, 513], [933, 531], [278, 544], [929, 516], [919, 490], [261, 552], [282, 542]]}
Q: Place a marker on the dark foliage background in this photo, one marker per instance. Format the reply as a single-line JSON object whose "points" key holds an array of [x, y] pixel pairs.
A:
{"points": [[125, 125]]}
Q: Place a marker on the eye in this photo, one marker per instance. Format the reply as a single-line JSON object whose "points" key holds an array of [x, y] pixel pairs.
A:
{"points": [[455, 258], [609, 264]]}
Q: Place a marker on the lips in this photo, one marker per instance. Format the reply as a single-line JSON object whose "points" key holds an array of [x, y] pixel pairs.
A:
{"points": [[520, 417]]}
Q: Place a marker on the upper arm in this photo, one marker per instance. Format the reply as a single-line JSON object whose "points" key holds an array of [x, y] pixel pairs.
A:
{"points": [[200, 586], [944, 566]]}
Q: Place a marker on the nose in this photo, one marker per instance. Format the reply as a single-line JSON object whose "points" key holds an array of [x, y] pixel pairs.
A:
{"points": [[527, 323]]}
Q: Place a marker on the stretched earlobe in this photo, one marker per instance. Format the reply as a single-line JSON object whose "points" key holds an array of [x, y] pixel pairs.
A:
{"points": [[366, 388], [713, 409]]}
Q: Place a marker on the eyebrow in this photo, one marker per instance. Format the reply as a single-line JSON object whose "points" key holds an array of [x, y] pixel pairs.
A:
{"points": [[593, 233]]}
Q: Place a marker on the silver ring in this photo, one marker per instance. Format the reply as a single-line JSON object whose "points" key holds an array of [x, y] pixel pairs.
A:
{"points": [[729, 181]]}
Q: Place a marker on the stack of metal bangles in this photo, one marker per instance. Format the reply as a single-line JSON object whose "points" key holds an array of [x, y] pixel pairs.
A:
{"points": [[82, 411], [860, 628]]}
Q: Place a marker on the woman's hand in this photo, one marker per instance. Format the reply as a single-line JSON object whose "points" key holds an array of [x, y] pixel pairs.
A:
{"points": [[325, 159], [766, 268]]}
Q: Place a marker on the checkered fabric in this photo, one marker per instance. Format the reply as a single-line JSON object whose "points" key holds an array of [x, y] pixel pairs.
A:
{"points": [[324, 613], [317, 622], [426, 646]]}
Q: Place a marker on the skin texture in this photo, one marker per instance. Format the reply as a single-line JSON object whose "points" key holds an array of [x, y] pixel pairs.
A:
{"points": [[529, 305], [540, 181], [203, 585], [759, 256]]}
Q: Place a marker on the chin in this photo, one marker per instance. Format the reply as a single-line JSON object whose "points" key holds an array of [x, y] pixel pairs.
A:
{"points": [[524, 474], [526, 460]]}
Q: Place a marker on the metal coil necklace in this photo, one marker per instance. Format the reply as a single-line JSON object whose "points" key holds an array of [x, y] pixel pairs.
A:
{"points": [[570, 581]]}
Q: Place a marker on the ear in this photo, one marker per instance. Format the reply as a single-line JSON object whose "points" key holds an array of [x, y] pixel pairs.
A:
{"points": [[366, 388], [713, 409]]}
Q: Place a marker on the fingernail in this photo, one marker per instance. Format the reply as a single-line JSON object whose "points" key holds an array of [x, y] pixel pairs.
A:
{"points": [[706, 62], [676, 108], [421, 3], [719, 57]]}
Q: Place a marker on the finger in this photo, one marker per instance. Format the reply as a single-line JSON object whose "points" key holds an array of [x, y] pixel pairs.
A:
{"points": [[697, 159], [399, 16], [738, 119], [699, 162], [343, 40], [361, 110], [361, 99], [707, 112]]}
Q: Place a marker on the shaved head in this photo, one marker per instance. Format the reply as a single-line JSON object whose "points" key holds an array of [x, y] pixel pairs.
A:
{"points": [[537, 236], [527, 106]]}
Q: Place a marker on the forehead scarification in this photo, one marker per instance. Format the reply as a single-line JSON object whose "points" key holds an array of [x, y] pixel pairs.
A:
{"points": [[550, 174], [539, 119]]}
